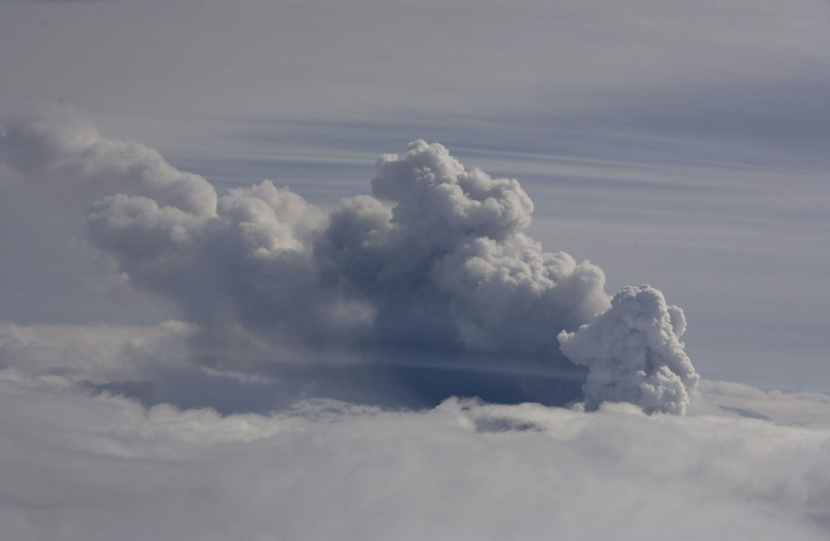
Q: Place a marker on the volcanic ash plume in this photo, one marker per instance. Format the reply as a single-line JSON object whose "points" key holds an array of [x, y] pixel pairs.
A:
{"points": [[435, 266], [634, 354]]}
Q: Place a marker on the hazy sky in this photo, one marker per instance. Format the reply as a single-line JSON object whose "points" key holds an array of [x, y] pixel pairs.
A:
{"points": [[684, 145]]}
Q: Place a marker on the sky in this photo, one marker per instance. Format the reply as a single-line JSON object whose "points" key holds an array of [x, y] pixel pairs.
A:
{"points": [[457, 270]]}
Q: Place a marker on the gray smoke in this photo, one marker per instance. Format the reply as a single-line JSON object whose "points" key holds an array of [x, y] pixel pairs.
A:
{"points": [[634, 354], [436, 263], [450, 266]]}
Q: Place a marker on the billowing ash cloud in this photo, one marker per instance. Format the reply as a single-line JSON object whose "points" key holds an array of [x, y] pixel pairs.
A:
{"points": [[436, 264], [634, 354], [449, 265]]}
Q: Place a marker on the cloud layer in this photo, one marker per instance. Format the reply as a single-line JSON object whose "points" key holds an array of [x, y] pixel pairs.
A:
{"points": [[81, 467]]}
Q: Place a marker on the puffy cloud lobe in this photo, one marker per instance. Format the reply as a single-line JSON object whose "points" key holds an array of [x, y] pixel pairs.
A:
{"points": [[634, 354], [452, 255], [439, 202], [515, 293]]}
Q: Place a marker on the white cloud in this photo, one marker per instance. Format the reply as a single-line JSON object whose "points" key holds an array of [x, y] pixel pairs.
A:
{"points": [[98, 467]]}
